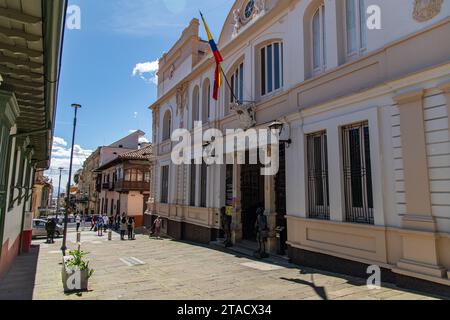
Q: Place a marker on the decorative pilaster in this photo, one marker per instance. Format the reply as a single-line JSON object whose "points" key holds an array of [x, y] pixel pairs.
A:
{"points": [[420, 252], [446, 91], [270, 206], [236, 226]]}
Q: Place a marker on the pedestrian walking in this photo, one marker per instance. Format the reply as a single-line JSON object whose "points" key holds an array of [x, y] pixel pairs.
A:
{"points": [[100, 226], [117, 222], [50, 227], [130, 228], [123, 227], [157, 227], [92, 223], [105, 222], [78, 222]]}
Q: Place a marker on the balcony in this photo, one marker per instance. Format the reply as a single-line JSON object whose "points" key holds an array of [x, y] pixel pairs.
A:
{"points": [[122, 185], [106, 186]]}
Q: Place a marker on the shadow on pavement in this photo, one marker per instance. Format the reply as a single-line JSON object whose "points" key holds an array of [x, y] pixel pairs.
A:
{"points": [[18, 283]]}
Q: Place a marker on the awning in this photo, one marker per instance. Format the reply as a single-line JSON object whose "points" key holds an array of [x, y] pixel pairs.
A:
{"points": [[31, 36]]}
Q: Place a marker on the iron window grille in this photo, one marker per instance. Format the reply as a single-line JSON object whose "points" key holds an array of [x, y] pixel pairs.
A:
{"points": [[318, 186], [357, 173], [165, 184], [192, 184]]}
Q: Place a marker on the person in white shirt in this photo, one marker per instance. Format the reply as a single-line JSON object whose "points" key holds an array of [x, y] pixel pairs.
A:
{"points": [[105, 222], [78, 222]]}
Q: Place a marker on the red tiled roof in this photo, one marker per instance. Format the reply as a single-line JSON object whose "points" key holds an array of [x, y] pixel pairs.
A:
{"points": [[141, 154]]}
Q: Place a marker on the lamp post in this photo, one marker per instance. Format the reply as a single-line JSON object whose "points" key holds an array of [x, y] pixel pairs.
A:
{"points": [[278, 127], [59, 193], [66, 214]]}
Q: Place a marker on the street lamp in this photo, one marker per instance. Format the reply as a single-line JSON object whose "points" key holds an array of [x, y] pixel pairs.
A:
{"points": [[278, 127], [59, 193], [66, 214]]}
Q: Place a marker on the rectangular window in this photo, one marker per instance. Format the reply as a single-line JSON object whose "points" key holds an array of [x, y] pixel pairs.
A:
{"points": [[241, 82], [263, 71], [324, 38], [208, 99], [318, 187], [362, 24], [277, 65], [358, 173], [271, 68], [351, 26], [3, 154], [12, 186], [20, 182], [355, 16], [203, 183], [237, 83], [165, 184], [316, 40], [232, 86], [192, 184], [229, 185]]}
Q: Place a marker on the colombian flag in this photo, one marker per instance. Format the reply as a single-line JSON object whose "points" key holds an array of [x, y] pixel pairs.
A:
{"points": [[219, 59]]}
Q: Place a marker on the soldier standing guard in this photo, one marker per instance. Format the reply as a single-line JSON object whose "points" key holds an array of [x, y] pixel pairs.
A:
{"points": [[262, 232]]}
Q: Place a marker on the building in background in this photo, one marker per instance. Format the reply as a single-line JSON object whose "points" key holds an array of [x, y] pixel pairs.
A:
{"points": [[364, 174], [30, 56], [89, 185], [126, 184], [42, 195]]}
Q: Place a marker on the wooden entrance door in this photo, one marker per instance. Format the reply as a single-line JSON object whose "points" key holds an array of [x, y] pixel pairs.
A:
{"points": [[252, 193]]}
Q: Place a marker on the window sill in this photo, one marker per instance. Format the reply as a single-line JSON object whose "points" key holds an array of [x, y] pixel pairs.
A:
{"points": [[269, 96]]}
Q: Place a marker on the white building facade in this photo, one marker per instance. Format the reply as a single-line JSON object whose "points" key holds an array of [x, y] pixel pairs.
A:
{"points": [[364, 173]]}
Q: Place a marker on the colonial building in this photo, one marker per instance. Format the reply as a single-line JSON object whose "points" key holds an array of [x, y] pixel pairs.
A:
{"points": [[126, 184], [364, 173], [89, 185], [42, 195], [30, 54]]}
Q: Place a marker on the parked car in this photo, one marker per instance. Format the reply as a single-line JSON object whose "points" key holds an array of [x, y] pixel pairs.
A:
{"points": [[39, 229]]}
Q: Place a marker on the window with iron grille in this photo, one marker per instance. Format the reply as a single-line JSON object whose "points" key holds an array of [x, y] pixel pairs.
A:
{"points": [[165, 184], [193, 183], [357, 173], [318, 188], [203, 181]]}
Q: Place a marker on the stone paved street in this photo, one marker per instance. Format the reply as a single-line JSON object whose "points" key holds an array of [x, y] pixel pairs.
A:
{"points": [[165, 269]]}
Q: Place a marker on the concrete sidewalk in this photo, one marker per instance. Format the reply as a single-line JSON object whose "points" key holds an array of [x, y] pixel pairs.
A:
{"points": [[169, 270]]}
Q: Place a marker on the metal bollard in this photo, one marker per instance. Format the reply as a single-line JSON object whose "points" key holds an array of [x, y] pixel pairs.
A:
{"points": [[109, 235], [78, 237]]}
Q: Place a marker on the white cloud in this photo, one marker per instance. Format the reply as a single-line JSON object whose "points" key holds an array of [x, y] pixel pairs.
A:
{"points": [[57, 141], [147, 71], [61, 159]]}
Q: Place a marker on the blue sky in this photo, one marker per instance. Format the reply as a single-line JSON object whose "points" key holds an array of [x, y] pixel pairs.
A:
{"points": [[108, 67]]}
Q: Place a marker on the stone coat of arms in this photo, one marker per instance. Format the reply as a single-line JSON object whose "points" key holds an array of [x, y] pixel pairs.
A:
{"points": [[425, 10]]}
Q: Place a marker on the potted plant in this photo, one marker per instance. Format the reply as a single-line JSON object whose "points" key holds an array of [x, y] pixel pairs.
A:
{"points": [[76, 271]]}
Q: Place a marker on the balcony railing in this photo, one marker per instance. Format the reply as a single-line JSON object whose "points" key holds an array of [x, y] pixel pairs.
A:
{"points": [[106, 186], [123, 185]]}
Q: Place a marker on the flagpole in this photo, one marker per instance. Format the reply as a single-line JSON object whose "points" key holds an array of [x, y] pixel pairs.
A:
{"points": [[229, 86]]}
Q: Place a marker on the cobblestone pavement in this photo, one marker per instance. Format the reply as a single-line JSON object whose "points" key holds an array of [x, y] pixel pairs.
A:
{"points": [[164, 269]]}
